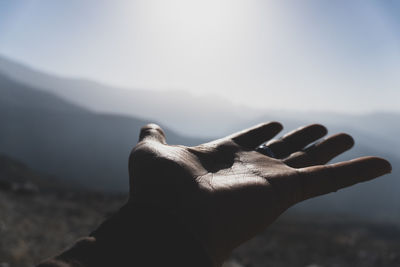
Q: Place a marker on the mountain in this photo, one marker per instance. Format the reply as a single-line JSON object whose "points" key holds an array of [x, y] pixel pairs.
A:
{"points": [[183, 112], [188, 114], [17, 177], [15, 95], [63, 129], [56, 137]]}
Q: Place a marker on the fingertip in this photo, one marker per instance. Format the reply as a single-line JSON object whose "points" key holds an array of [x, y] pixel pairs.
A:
{"points": [[320, 128], [377, 165], [153, 126], [346, 139], [272, 127], [276, 126], [389, 165], [314, 131], [152, 130], [349, 139], [382, 164]]}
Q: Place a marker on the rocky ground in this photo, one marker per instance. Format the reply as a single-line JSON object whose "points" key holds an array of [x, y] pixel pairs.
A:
{"points": [[35, 226], [317, 242]]}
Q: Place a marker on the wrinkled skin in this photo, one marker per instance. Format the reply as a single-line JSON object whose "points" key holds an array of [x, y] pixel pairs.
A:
{"points": [[226, 192]]}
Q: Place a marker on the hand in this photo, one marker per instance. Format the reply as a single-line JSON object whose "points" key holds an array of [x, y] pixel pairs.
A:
{"points": [[226, 192]]}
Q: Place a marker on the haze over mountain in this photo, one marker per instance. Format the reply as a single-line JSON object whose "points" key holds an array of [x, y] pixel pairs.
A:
{"points": [[62, 127], [60, 138], [15, 176], [181, 111], [188, 114]]}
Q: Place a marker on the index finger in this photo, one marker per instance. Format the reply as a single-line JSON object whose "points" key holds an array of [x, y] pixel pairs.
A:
{"points": [[255, 136], [320, 180]]}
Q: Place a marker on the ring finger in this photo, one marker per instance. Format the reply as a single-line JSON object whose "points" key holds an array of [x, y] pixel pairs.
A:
{"points": [[322, 152]]}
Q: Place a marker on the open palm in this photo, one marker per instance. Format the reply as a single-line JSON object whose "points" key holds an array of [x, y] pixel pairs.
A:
{"points": [[226, 191]]}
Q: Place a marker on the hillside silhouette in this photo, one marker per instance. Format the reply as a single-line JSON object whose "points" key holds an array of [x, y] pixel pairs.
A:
{"points": [[59, 138], [56, 130]]}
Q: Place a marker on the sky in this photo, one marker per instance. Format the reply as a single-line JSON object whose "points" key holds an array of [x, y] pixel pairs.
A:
{"points": [[339, 55]]}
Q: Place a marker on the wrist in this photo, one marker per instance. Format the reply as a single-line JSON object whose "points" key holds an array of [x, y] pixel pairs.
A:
{"points": [[151, 235], [138, 235], [81, 254]]}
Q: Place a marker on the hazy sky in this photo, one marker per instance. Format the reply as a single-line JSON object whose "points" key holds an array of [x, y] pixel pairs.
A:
{"points": [[324, 55]]}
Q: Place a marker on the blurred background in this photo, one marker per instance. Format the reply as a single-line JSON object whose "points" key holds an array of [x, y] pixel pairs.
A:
{"points": [[79, 78]]}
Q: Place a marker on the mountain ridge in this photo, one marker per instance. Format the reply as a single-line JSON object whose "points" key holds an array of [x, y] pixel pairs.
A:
{"points": [[91, 148], [183, 112], [56, 137]]}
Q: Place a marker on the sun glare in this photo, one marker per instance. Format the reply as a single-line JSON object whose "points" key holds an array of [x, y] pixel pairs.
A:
{"points": [[196, 21], [198, 43]]}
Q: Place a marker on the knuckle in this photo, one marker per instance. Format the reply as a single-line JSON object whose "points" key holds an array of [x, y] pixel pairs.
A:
{"points": [[141, 154]]}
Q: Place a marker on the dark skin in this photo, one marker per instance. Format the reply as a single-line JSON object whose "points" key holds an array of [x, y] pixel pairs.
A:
{"points": [[225, 192], [228, 192]]}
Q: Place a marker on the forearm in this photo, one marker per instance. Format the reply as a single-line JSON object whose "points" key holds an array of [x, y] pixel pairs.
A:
{"points": [[136, 236], [81, 254]]}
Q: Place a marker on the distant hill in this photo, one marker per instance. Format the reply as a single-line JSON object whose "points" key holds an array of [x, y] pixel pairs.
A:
{"points": [[16, 177], [59, 126], [183, 112], [16, 95], [60, 138], [188, 114]]}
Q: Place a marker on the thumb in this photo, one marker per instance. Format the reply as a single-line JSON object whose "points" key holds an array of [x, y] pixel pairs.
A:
{"points": [[152, 132]]}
